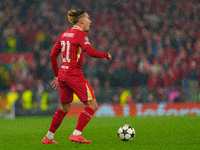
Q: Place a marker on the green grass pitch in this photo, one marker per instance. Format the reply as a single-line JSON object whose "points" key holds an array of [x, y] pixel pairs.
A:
{"points": [[152, 133]]}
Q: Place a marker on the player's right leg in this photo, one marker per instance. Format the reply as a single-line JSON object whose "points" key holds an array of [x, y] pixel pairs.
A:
{"points": [[85, 93], [83, 120]]}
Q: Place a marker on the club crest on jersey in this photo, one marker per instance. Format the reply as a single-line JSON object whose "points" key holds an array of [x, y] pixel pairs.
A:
{"points": [[86, 40]]}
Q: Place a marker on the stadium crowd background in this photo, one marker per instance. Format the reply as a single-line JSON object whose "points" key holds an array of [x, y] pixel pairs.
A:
{"points": [[155, 45]]}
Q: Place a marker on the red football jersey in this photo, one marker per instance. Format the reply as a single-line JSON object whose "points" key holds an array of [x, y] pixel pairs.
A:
{"points": [[73, 43]]}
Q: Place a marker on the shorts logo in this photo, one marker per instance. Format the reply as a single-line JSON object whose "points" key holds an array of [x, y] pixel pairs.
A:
{"points": [[86, 40]]}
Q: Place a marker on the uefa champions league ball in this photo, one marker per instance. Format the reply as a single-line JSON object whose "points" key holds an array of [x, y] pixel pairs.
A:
{"points": [[126, 133]]}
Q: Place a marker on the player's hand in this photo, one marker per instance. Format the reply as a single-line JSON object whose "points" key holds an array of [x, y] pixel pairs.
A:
{"points": [[55, 84], [109, 57]]}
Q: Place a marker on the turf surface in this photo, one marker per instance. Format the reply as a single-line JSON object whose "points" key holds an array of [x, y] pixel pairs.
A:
{"points": [[152, 133]]}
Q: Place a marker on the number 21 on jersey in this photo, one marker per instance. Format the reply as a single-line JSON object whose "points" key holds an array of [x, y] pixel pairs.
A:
{"points": [[65, 46]]}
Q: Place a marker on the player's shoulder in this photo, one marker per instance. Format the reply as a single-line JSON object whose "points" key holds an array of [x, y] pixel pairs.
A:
{"points": [[74, 35], [81, 35], [79, 32], [74, 31]]}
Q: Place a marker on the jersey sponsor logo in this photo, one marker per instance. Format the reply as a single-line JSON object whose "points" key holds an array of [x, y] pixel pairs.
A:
{"points": [[86, 40], [65, 67], [71, 35]]}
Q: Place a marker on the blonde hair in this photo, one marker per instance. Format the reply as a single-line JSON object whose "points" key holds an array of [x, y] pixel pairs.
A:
{"points": [[74, 15]]}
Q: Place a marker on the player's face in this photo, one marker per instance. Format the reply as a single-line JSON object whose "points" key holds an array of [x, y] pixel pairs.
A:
{"points": [[86, 22]]}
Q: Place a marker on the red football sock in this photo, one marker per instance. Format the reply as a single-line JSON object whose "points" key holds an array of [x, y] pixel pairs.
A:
{"points": [[84, 118], [57, 120]]}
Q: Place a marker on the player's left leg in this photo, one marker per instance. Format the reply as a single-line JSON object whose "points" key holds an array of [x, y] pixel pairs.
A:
{"points": [[66, 97], [56, 121]]}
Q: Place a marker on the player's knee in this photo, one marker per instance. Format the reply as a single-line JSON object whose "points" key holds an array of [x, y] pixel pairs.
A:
{"points": [[65, 107], [66, 110], [94, 107], [92, 104]]}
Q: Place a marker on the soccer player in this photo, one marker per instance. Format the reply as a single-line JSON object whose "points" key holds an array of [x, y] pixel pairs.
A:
{"points": [[72, 44]]}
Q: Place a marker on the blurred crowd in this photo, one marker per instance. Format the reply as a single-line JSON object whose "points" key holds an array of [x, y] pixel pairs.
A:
{"points": [[155, 45]]}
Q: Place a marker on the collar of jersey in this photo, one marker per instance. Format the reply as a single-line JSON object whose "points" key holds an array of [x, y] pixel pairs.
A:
{"points": [[76, 27]]}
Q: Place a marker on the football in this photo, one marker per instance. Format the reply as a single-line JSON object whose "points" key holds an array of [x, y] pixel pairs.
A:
{"points": [[126, 133]]}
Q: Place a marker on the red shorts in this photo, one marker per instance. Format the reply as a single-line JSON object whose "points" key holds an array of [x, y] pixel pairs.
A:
{"points": [[82, 89]]}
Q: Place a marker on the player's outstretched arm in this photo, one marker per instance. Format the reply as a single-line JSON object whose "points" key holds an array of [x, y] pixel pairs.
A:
{"points": [[55, 84], [95, 53]]}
